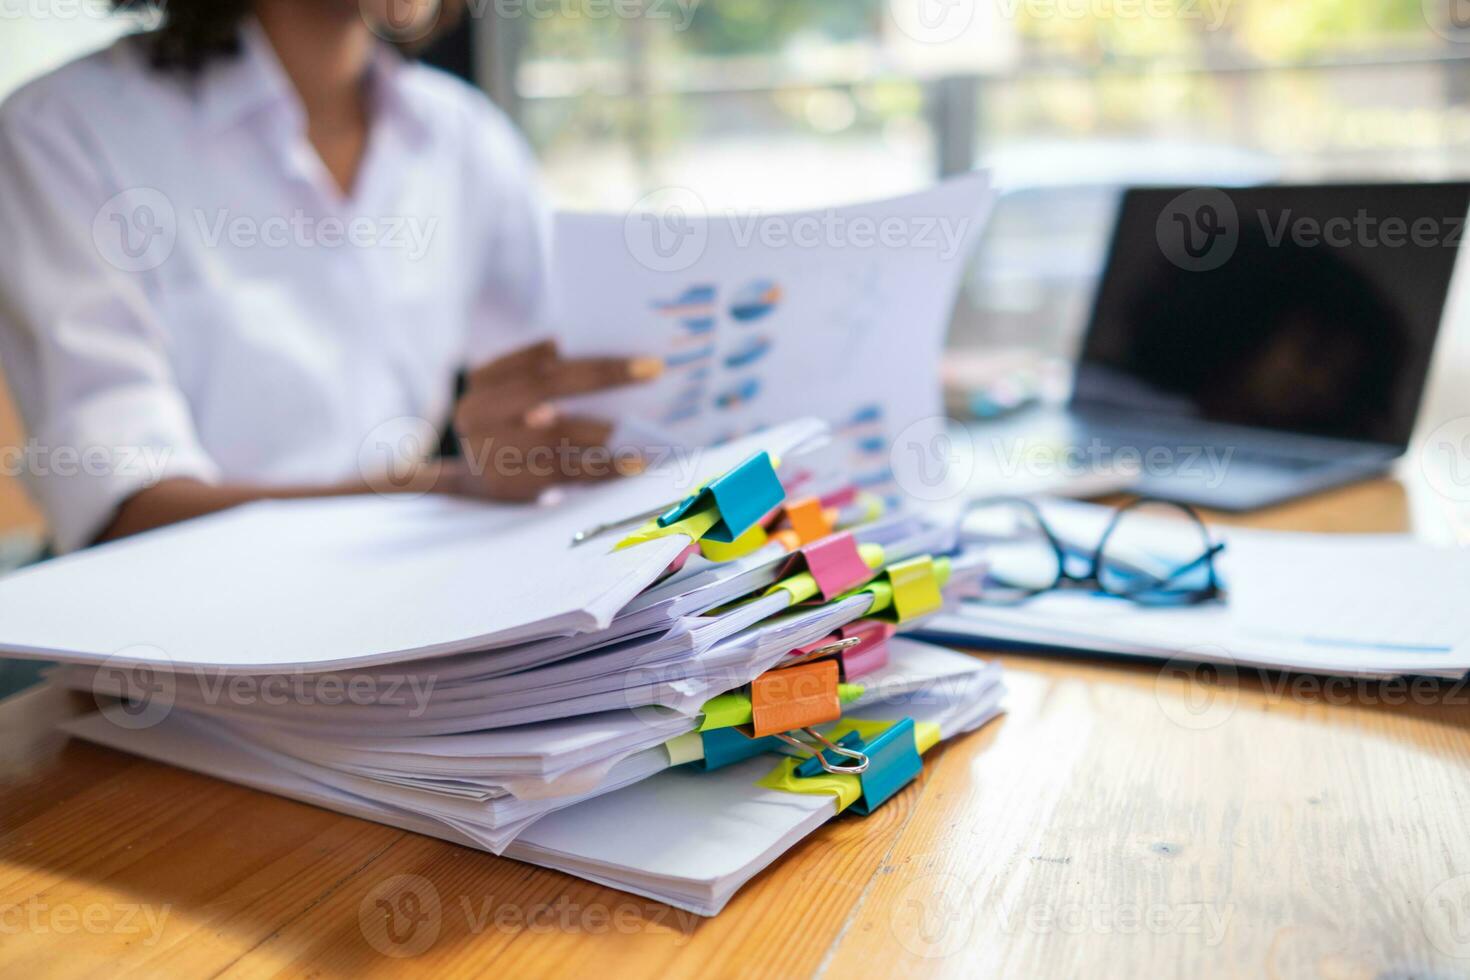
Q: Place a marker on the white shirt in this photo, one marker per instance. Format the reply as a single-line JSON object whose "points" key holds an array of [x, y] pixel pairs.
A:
{"points": [[184, 290]]}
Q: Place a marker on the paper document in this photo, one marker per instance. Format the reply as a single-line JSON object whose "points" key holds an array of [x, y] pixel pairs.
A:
{"points": [[838, 314], [327, 583]]}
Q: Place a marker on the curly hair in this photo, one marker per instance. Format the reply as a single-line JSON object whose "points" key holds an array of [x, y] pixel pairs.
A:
{"points": [[192, 33]]}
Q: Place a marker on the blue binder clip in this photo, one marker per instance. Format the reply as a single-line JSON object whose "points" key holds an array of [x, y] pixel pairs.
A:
{"points": [[893, 763], [727, 746], [741, 498]]}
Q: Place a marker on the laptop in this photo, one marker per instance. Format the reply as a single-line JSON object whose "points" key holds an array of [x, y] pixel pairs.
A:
{"points": [[1251, 345]]}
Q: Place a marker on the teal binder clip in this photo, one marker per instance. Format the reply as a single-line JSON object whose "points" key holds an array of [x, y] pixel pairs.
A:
{"points": [[727, 746], [741, 498], [893, 763]]}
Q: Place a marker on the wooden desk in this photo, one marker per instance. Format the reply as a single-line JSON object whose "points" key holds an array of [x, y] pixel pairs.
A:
{"points": [[1122, 820]]}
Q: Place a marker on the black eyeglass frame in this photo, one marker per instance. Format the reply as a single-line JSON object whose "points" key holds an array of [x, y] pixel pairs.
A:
{"points": [[1092, 578]]}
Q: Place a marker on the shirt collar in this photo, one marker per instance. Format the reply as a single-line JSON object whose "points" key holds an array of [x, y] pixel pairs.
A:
{"points": [[234, 89]]}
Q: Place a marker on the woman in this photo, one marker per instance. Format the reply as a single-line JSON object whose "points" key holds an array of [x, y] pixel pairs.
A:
{"points": [[243, 249]]}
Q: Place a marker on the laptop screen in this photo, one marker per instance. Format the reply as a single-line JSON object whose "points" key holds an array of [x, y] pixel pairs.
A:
{"points": [[1305, 309]]}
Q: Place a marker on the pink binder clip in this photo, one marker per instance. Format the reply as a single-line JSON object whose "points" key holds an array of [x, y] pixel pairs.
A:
{"points": [[871, 653], [859, 648], [834, 562], [840, 498]]}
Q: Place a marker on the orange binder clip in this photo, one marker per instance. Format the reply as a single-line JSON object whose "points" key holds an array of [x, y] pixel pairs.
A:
{"points": [[809, 519], [794, 698]]}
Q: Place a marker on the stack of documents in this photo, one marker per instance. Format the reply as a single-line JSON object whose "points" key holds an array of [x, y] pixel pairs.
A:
{"points": [[661, 703], [1365, 605]]}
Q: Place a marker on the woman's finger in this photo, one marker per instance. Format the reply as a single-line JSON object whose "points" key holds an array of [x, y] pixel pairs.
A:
{"points": [[583, 431], [528, 361], [583, 375], [486, 410]]}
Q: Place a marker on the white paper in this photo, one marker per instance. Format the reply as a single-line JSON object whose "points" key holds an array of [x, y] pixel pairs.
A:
{"points": [[843, 318], [1388, 593], [353, 580], [685, 837]]}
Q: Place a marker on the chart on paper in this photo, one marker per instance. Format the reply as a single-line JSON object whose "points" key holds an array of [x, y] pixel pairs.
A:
{"points": [[765, 323]]}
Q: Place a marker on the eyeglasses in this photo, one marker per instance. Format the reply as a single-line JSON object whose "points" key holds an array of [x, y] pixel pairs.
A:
{"points": [[1151, 551]]}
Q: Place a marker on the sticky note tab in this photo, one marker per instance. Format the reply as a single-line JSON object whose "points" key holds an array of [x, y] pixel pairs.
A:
{"points": [[750, 542], [695, 525], [725, 710], [845, 789], [684, 748]]}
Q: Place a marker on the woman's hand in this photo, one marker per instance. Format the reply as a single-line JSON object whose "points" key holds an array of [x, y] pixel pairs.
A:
{"points": [[516, 443]]}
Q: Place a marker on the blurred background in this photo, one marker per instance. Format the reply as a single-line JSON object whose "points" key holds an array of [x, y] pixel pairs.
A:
{"points": [[776, 104]]}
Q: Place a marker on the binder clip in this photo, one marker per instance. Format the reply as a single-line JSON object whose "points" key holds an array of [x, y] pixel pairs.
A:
{"points": [[859, 648], [727, 746], [739, 499], [840, 498], [834, 563], [794, 698], [810, 519], [908, 589], [890, 762], [721, 510]]}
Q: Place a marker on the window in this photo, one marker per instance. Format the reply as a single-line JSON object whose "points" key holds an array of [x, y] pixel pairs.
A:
{"points": [[798, 103]]}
